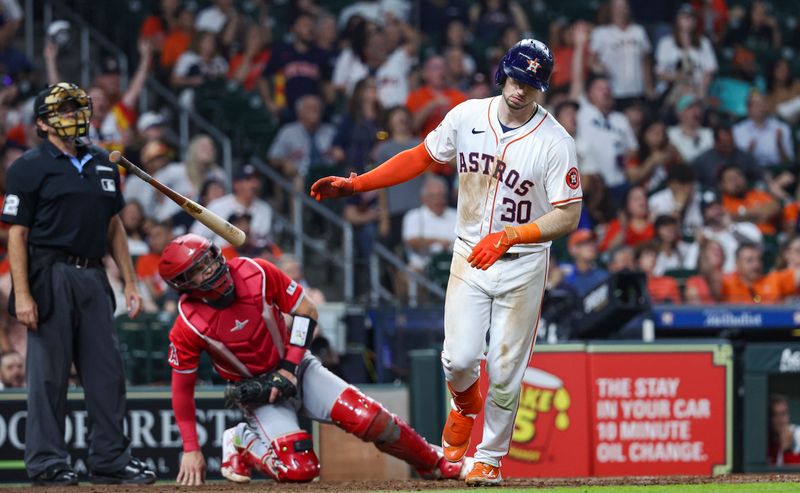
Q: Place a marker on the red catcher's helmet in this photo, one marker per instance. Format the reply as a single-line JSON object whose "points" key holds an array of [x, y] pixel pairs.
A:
{"points": [[193, 265]]}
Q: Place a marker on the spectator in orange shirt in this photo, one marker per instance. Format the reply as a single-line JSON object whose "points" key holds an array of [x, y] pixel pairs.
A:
{"points": [[747, 204], [147, 265], [749, 285], [178, 40], [706, 287], [246, 67], [662, 289], [632, 225], [431, 102], [156, 26]]}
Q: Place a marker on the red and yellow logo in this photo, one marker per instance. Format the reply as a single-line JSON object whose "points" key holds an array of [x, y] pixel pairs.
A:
{"points": [[543, 407]]}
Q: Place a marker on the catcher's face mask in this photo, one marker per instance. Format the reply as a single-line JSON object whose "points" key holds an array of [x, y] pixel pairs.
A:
{"points": [[66, 108], [195, 266]]}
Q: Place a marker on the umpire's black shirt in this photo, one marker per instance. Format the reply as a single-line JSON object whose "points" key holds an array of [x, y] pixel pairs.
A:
{"points": [[64, 208]]}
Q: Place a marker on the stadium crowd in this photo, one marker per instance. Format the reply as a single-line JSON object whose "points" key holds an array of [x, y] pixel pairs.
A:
{"points": [[685, 117]]}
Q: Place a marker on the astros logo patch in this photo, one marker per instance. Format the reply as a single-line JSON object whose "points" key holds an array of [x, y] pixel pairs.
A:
{"points": [[533, 65], [573, 179]]}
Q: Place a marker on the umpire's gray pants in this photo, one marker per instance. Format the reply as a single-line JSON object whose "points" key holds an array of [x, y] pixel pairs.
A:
{"points": [[80, 328]]}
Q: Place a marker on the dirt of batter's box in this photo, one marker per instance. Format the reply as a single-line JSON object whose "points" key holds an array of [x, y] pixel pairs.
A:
{"points": [[420, 485]]}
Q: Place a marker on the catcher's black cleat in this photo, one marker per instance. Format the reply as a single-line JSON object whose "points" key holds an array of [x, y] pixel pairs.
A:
{"points": [[136, 472], [56, 475]]}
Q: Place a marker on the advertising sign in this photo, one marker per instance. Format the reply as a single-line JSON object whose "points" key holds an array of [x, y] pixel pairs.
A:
{"points": [[660, 412], [619, 410], [150, 424], [552, 422]]}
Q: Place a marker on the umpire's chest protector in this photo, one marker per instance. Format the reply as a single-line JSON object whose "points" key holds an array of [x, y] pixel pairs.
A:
{"points": [[251, 327]]}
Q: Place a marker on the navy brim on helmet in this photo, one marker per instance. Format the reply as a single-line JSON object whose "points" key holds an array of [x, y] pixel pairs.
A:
{"points": [[529, 62]]}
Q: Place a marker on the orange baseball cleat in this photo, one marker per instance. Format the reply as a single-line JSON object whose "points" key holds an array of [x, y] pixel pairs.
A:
{"points": [[483, 474], [456, 435]]}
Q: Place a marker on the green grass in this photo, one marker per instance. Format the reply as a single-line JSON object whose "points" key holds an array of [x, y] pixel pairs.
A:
{"points": [[672, 488]]}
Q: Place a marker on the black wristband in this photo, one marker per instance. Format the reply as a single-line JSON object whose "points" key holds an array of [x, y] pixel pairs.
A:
{"points": [[288, 366]]}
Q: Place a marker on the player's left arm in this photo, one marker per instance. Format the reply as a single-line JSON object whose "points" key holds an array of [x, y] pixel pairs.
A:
{"points": [[118, 247], [560, 221], [288, 296]]}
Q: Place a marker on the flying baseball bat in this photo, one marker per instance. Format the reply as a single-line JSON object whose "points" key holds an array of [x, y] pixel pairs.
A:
{"points": [[223, 228]]}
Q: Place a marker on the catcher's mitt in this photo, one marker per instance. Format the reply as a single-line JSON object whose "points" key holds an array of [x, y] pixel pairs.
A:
{"points": [[255, 391]]}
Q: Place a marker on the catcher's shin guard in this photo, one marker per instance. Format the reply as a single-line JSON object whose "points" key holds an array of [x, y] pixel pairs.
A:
{"points": [[367, 419], [289, 458]]}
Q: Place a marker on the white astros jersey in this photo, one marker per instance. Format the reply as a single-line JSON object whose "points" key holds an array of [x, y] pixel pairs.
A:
{"points": [[533, 168]]}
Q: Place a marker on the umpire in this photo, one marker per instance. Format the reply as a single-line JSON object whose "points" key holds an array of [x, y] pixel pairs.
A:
{"points": [[62, 201]]}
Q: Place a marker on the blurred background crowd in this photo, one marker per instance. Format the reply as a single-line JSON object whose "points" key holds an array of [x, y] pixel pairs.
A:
{"points": [[685, 117]]}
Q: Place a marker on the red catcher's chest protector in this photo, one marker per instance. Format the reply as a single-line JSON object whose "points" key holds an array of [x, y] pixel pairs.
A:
{"points": [[249, 328]]}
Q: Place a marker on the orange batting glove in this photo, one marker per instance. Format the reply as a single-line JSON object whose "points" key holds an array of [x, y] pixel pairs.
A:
{"points": [[492, 247], [332, 187]]}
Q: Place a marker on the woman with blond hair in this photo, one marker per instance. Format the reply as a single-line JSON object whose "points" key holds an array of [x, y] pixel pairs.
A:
{"points": [[187, 177]]}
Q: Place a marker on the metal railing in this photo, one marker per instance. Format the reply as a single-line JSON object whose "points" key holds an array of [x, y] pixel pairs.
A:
{"points": [[380, 253], [185, 116], [295, 226]]}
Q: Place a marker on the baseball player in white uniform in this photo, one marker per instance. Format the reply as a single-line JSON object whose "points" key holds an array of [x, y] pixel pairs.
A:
{"points": [[519, 188]]}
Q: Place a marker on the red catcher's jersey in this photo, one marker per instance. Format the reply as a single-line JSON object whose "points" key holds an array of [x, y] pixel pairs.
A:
{"points": [[251, 329]]}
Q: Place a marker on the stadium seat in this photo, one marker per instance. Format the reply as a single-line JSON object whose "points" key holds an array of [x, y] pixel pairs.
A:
{"points": [[439, 268]]}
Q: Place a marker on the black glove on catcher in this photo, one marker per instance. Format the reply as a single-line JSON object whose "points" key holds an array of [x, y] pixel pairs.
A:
{"points": [[255, 391]]}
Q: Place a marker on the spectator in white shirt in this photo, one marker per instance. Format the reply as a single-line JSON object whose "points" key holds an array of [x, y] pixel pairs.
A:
{"points": [[374, 53], [679, 199], [621, 51], [685, 60], [768, 139], [12, 15], [673, 252], [243, 200], [222, 19], [303, 144], [720, 227], [197, 65], [688, 136], [187, 177], [604, 139], [430, 228], [375, 11]]}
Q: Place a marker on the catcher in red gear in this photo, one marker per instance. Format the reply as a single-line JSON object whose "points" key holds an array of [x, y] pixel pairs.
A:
{"points": [[234, 311]]}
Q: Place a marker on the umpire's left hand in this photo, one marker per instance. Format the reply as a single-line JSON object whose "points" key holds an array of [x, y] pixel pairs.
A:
{"points": [[133, 300]]}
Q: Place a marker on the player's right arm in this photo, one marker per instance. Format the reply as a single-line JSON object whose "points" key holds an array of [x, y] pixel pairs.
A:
{"points": [[19, 205], [439, 147], [193, 465], [183, 357], [398, 169]]}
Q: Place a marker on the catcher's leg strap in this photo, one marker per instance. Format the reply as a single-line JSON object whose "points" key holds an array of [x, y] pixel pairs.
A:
{"points": [[367, 419], [289, 458]]}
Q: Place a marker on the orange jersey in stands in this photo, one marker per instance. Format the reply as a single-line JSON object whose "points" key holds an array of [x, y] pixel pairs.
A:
{"points": [[772, 288], [735, 206]]}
